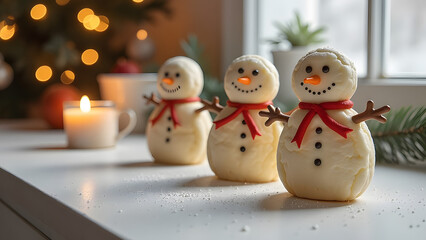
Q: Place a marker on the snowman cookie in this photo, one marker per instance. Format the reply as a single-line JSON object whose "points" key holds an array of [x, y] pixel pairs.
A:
{"points": [[240, 147], [176, 132], [325, 151]]}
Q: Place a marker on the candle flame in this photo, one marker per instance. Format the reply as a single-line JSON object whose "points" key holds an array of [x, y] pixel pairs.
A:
{"points": [[85, 104]]}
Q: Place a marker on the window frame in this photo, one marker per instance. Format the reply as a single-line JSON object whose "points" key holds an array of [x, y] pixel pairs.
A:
{"points": [[378, 37], [396, 91]]}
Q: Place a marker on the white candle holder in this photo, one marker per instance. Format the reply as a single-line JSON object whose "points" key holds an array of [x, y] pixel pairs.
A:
{"points": [[96, 127]]}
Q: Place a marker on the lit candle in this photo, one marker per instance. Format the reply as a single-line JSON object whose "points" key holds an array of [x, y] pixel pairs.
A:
{"points": [[93, 124]]}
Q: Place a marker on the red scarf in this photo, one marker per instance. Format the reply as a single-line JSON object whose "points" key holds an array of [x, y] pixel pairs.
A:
{"points": [[243, 108], [320, 110], [171, 104]]}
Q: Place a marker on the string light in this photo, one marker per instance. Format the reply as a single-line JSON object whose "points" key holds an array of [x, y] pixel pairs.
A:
{"points": [[142, 34], [89, 56], [83, 13], [67, 77], [103, 25], [43, 73], [91, 22], [62, 2], [6, 31], [38, 11]]}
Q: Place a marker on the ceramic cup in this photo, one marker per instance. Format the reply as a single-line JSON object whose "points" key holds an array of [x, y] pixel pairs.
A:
{"points": [[127, 91], [97, 128]]}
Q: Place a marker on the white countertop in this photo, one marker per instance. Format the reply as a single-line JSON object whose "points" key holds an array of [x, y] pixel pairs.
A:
{"points": [[119, 192]]}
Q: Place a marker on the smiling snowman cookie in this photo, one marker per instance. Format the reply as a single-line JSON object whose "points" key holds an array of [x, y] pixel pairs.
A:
{"points": [[240, 147], [325, 151], [176, 132]]}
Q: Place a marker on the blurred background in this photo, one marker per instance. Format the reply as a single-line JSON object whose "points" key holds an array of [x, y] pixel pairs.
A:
{"points": [[70, 42]]}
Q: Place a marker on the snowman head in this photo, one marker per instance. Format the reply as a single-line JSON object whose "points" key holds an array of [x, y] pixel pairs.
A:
{"points": [[324, 75], [251, 79], [180, 77]]}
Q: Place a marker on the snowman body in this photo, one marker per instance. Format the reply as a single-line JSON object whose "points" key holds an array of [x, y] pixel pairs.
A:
{"points": [[327, 166], [180, 138], [184, 144], [234, 155], [234, 152]]}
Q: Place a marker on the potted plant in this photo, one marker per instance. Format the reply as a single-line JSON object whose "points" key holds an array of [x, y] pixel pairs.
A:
{"points": [[300, 37]]}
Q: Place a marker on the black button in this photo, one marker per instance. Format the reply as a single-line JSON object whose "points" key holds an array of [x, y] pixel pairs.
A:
{"points": [[167, 140], [244, 122], [317, 162], [318, 145], [318, 130], [242, 149], [169, 118], [169, 129], [243, 135]]}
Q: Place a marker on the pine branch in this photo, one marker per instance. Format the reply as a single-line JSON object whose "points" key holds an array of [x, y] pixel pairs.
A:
{"points": [[212, 86], [403, 138]]}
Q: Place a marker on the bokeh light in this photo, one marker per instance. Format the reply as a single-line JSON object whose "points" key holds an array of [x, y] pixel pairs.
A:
{"points": [[137, 1], [103, 25], [89, 56], [6, 31], [43, 73], [62, 2], [83, 13], [91, 22], [67, 77], [38, 11], [142, 34]]}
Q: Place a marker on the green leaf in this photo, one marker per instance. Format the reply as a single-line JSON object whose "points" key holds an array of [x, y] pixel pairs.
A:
{"points": [[298, 33]]}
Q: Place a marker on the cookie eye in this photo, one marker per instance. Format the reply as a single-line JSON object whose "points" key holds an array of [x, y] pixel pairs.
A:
{"points": [[308, 69], [177, 75], [240, 70], [325, 69], [166, 74], [255, 72]]}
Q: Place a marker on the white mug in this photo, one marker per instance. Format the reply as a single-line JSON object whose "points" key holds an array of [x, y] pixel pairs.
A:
{"points": [[97, 128], [127, 90]]}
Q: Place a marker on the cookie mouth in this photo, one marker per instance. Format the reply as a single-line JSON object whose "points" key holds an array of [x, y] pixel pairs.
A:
{"points": [[240, 89], [170, 90], [313, 92]]}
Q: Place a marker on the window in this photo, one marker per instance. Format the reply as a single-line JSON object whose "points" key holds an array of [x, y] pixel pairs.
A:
{"points": [[406, 50], [384, 38]]}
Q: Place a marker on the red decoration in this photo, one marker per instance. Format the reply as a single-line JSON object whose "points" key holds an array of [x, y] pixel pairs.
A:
{"points": [[126, 66], [243, 108], [171, 104], [52, 103], [320, 110]]}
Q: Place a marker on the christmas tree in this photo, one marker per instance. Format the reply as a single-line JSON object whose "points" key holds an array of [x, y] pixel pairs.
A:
{"points": [[65, 41]]}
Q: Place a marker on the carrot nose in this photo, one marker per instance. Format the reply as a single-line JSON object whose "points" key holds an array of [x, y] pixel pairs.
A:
{"points": [[314, 80], [244, 80], [168, 81]]}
